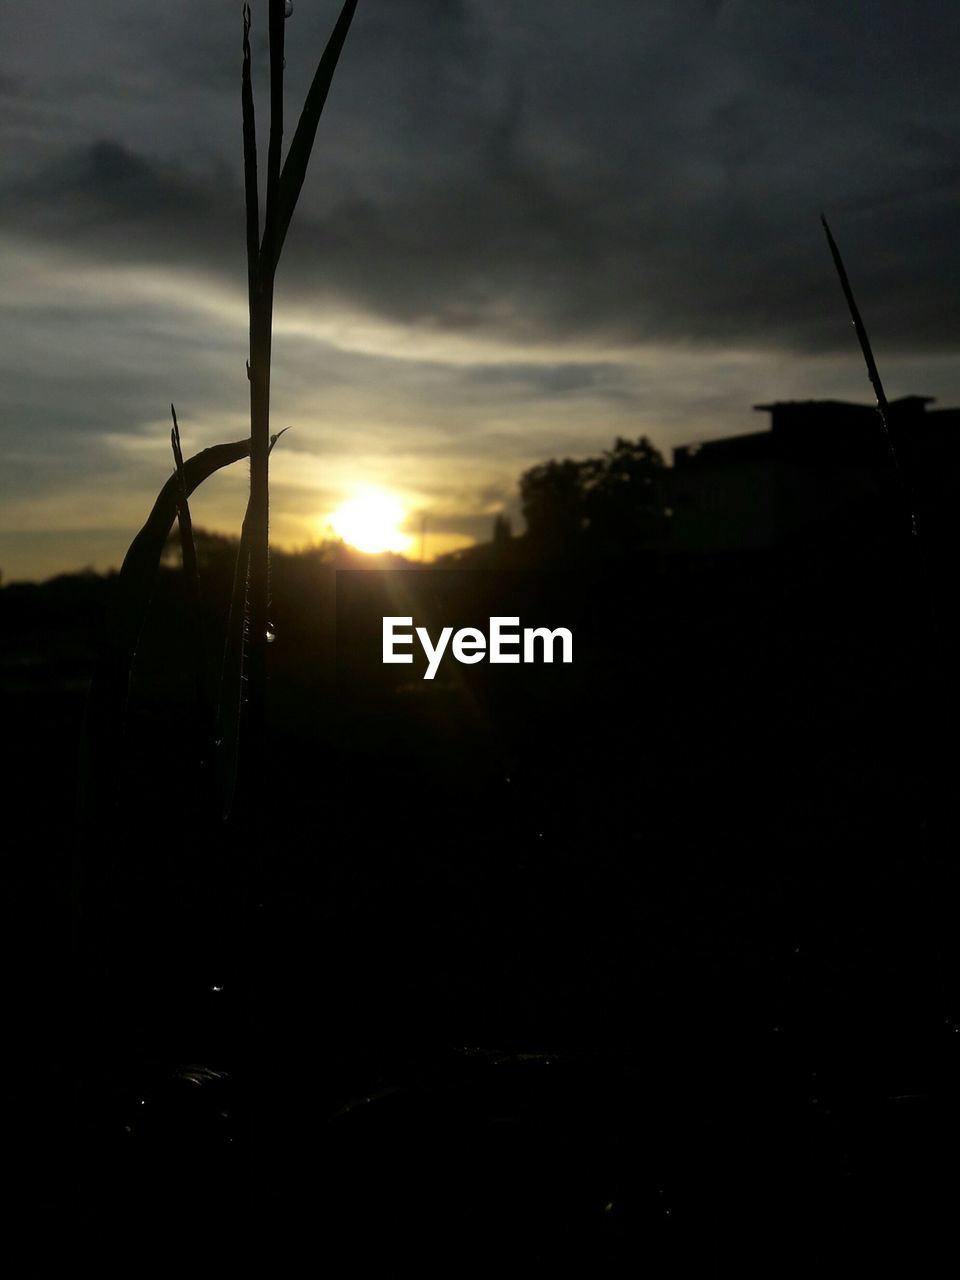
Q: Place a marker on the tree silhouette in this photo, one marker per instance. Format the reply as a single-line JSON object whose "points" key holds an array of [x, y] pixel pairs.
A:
{"points": [[616, 497]]}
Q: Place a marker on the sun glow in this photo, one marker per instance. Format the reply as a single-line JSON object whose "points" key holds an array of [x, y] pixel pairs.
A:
{"points": [[371, 521]]}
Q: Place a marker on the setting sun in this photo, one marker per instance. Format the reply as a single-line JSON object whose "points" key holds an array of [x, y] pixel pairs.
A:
{"points": [[371, 521]]}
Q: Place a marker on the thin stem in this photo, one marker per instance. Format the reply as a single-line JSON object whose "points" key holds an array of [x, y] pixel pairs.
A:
{"points": [[191, 571], [257, 522], [251, 191], [873, 373]]}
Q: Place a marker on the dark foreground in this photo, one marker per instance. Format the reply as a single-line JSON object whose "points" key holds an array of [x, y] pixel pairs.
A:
{"points": [[644, 966]]}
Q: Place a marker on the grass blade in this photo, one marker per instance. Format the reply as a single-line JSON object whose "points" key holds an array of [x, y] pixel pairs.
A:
{"points": [[187, 546], [284, 183], [873, 372], [278, 27], [140, 564], [250, 184], [256, 525], [107, 700], [191, 572], [947, 694], [298, 157]]}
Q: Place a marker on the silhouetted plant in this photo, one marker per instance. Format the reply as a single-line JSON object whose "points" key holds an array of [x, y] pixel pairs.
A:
{"points": [[873, 373], [108, 692], [247, 630], [252, 585]]}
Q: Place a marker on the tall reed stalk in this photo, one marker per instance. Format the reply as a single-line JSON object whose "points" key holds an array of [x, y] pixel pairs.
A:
{"points": [[283, 185]]}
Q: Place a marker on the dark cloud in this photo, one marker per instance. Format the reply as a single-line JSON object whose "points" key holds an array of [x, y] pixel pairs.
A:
{"points": [[106, 183], [615, 172]]}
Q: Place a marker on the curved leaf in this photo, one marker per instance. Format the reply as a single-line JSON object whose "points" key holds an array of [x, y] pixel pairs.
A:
{"points": [[108, 691]]}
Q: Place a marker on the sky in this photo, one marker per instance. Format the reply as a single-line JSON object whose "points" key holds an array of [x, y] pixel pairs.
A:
{"points": [[528, 227]]}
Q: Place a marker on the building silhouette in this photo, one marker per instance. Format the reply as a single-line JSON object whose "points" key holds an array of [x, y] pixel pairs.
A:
{"points": [[822, 467]]}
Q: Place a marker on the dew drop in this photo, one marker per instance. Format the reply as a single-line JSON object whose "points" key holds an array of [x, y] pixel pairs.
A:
{"points": [[287, 8], [271, 634]]}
